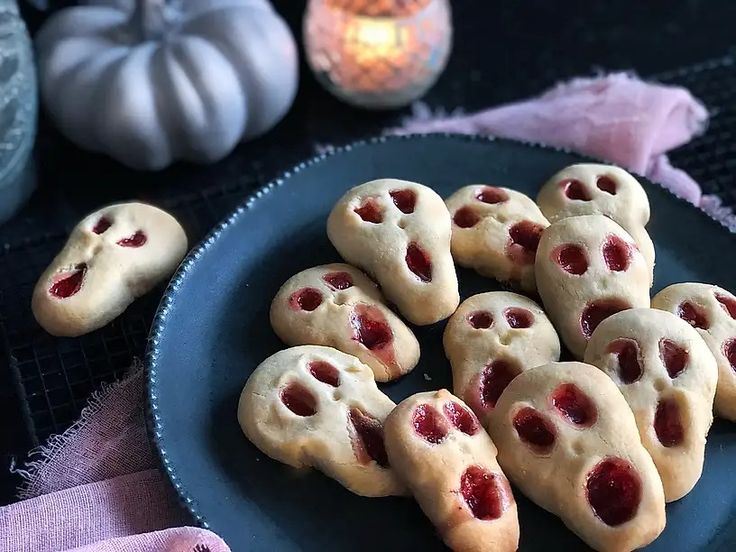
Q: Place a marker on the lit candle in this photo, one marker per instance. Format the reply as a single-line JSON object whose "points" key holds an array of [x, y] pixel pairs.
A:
{"points": [[378, 53]]}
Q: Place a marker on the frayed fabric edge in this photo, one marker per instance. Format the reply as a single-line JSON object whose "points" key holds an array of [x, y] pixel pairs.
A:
{"points": [[39, 457]]}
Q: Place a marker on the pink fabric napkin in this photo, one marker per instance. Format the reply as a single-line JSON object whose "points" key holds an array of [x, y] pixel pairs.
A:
{"points": [[98, 488]]}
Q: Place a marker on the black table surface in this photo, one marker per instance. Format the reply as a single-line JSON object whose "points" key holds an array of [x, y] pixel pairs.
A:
{"points": [[502, 51]]}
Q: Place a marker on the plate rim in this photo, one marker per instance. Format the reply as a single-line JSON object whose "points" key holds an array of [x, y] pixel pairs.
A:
{"points": [[153, 418]]}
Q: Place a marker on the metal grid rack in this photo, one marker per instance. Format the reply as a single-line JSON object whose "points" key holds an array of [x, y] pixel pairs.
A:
{"points": [[56, 376]]}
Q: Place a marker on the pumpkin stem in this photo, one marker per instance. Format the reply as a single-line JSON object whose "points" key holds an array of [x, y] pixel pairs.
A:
{"points": [[149, 18]]}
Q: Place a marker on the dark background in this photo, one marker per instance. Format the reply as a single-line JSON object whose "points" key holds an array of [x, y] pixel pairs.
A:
{"points": [[502, 51]]}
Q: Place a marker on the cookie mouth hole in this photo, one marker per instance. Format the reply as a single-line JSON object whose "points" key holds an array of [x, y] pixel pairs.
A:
{"points": [[668, 423], [616, 254], [574, 406], [370, 327], [429, 424], [728, 303], [518, 318], [480, 320], [405, 200], [729, 351], [368, 441], [325, 372], [418, 262], [494, 379], [535, 430], [523, 241], [370, 211], [694, 315], [299, 399], [138, 239], [102, 226], [673, 357], [613, 489], [461, 418], [571, 258], [338, 280], [465, 217], [491, 195], [628, 358], [597, 311], [485, 493], [67, 284], [306, 299], [575, 190], [606, 184]]}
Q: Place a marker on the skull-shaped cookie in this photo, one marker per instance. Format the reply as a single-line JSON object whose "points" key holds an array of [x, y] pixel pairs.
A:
{"points": [[668, 376], [491, 338], [316, 406], [712, 311], [587, 269], [339, 306], [568, 440], [112, 257], [439, 448], [399, 232], [592, 189], [496, 232]]}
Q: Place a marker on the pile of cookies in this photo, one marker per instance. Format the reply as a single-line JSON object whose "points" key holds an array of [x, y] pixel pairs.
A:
{"points": [[603, 444]]}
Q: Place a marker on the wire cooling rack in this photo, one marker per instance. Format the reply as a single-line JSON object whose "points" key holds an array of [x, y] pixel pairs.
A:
{"points": [[56, 376]]}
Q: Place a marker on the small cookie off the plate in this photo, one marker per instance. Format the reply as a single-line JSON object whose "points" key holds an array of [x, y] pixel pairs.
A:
{"points": [[338, 306], [491, 338], [496, 232], [711, 310], [595, 189], [437, 445], [313, 406], [668, 376], [587, 269], [567, 438], [399, 232], [112, 257]]}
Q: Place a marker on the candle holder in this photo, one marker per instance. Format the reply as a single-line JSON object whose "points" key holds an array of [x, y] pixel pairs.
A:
{"points": [[378, 54]]}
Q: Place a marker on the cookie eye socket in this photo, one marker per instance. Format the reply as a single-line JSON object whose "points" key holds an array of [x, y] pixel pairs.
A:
{"points": [[102, 225], [518, 318], [616, 254], [728, 304], [429, 424], [418, 262], [571, 258], [465, 217], [480, 320], [370, 211], [325, 372], [461, 418], [338, 280], [575, 190], [668, 423], [673, 357], [694, 315], [606, 184], [574, 406], [491, 195], [613, 489], [628, 358], [535, 430], [485, 493], [494, 379], [68, 283], [306, 299], [299, 399], [597, 311], [405, 200], [367, 437]]}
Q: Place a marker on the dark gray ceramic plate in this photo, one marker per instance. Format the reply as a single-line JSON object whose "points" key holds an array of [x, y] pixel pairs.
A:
{"points": [[212, 330]]}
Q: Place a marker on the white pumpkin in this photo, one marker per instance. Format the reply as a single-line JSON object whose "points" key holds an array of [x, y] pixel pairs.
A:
{"points": [[152, 81]]}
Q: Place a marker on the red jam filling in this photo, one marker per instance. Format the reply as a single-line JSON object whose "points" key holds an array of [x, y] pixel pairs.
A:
{"points": [[616, 254], [728, 303], [68, 283], [418, 262], [480, 320], [461, 418], [606, 184], [523, 241], [597, 311], [494, 379], [299, 399], [485, 493], [575, 190], [370, 327], [102, 226], [534, 429], [574, 405], [490, 194], [370, 211], [667, 423], [405, 200], [673, 357], [138, 239], [571, 258], [729, 351], [306, 299], [430, 424], [325, 372], [613, 488], [465, 217], [338, 280], [627, 355], [518, 318], [369, 436], [693, 314]]}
